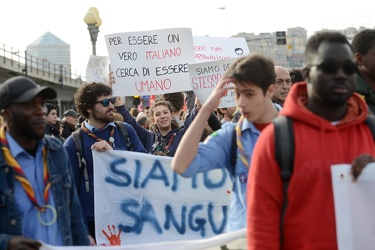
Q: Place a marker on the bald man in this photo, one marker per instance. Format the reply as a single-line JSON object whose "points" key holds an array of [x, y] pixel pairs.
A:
{"points": [[283, 83]]}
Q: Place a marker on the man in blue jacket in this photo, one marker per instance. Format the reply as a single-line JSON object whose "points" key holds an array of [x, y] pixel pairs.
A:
{"points": [[99, 132], [38, 200]]}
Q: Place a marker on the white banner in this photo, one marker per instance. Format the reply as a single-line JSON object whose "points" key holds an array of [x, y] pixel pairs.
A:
{"points": [[204, 77], [233, 240], [219, 48], [139, 199], [97, 69], [150, 62], [354, 207]]}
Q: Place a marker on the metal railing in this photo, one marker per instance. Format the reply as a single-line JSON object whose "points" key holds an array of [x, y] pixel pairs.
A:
{"points": [[29, 65]]}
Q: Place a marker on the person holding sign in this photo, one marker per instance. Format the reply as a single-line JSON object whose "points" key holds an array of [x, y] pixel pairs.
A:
{"points": [[253, 77], [99, 132], [164, 134]]}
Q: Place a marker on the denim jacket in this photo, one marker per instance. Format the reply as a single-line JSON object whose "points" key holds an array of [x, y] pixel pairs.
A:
{"points": [[68, 208]]}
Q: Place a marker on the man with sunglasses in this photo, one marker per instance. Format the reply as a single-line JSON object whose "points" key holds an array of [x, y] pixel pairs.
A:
{"points": [[364, 54], [98, 132], [283, 83], [329, 127]]}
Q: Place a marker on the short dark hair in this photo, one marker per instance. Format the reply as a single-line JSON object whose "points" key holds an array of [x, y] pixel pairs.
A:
{"points": [[176, 99], [218, 110], [296, 75], [85, 96], [49, 107], [363, 41], [318, 38], [80, 120], [58, 124], [254, 68]]}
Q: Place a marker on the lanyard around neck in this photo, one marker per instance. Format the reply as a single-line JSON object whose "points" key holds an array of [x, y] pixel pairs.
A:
{"points": [[111, 139], [20, 175], [170, 141], [239, 142]]}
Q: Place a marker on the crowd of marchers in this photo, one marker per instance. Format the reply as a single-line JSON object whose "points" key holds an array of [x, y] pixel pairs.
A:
{"points": [[325, 109]]}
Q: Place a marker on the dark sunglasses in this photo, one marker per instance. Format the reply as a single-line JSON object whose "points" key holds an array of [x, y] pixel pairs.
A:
{"points": [[106, 102], [331, 67]]}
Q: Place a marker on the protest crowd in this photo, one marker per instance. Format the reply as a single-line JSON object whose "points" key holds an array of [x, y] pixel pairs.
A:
{"points": [[322, 112]]}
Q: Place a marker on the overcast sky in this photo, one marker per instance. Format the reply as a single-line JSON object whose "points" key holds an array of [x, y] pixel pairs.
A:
{"points": [[24, 21]]}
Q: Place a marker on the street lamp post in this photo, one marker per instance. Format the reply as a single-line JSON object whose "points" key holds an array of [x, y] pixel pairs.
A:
{"points": [[93, 22]]}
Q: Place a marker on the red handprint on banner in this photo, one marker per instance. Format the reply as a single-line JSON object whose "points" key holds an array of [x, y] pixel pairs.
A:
{"points": [[114, 240]]}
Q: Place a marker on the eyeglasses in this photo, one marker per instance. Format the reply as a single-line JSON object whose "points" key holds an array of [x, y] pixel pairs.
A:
{"points": [[105, 102], [280, 81], [331, 67]]}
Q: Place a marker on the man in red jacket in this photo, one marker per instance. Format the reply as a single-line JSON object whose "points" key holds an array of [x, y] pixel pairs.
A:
{"points": [[329, 128]]}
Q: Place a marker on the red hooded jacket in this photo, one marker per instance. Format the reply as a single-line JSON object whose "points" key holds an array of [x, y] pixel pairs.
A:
{"points": [[309, 219]]}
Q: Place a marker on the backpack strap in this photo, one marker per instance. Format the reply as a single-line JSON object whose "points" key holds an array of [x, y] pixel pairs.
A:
{"points": [[77, 137], [284, 154], [370, 121], [124, 131], [233, 152]]}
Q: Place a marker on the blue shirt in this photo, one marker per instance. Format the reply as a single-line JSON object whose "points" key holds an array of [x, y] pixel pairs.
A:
{"points": [[33, 169], [215, 153], [92, 129]]}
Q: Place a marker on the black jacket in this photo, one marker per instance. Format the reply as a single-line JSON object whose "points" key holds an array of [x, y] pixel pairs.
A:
{"points": [[67, 130]]}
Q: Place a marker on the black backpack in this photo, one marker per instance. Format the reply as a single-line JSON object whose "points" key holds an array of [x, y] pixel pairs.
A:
{"points": [[77, 137]]}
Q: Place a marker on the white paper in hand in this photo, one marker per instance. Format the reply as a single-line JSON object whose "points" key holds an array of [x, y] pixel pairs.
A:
{"points": [[97, 69], [354, 207]]}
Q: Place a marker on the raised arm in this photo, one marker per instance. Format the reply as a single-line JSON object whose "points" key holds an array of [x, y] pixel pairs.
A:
{"points": [[188, 147], [144, 135], [213, 120]]}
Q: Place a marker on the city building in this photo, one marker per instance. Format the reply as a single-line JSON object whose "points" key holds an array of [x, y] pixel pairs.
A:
{"points": [[50, 48], [287, 51], [285, 48]]}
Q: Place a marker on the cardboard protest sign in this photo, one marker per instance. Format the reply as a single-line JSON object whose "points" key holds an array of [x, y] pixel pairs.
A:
{"points": [[150, 62], [97, 69], [219, 48], [354, 207], [204, 77], [139, 199]]}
